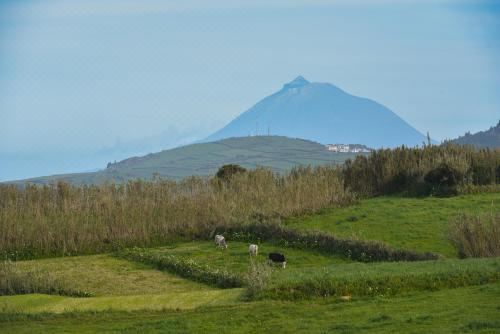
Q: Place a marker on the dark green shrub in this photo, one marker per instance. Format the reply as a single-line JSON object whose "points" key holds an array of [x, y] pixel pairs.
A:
{"points": [[443, 180], [226, 172]]}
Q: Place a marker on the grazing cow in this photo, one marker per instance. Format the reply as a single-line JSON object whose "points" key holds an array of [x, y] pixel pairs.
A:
{"points": [[253, 249], [278, 259], [220, 241]]}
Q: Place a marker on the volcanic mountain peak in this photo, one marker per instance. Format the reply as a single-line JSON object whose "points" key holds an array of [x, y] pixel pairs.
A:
{"points": [[323, 113], [299, 81]]}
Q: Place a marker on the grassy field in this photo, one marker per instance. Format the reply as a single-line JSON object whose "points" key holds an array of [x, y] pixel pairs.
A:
{"points": [[302, 264], [116, 284], [310, 274], [411, 223], [128, 296], [462, 310], [237, 259], [103, 275], [37, 303]]}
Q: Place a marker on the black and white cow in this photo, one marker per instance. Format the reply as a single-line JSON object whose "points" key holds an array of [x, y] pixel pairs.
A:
{"points": [[277, 259]]}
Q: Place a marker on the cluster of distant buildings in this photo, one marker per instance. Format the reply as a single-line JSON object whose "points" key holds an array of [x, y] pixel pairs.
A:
{"points": [[348, 148]]}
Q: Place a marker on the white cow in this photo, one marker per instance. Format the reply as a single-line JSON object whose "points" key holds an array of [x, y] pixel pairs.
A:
{"points": [[253, 249], [220, 241]]}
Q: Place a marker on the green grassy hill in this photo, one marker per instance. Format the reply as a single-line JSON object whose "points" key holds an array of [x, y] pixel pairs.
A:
{"points": [[413, 223], [278, 153]]}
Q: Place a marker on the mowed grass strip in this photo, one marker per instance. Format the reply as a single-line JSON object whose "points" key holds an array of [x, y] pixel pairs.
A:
{"points": [[105, 275], [463, 310], [37, 303], [418, 224]]}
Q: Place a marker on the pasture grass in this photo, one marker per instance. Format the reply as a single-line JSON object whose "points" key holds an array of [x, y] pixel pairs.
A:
{"points": [[418, 224], [204, 262], [174, 300], [236, 258], [117, 284], [104, 275], [309, 274], [377, 279], [462, 310]]}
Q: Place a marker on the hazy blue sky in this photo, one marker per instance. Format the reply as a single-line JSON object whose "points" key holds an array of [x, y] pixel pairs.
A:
{"points": [[78, 76]]}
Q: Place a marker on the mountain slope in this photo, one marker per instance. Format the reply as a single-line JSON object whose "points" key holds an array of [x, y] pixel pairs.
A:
{"points": [[324, 113], [489, 138], [278, 153]]}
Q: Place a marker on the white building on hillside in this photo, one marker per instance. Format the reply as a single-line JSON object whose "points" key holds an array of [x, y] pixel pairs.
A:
{"points": [[342, 148], [346, 148]]}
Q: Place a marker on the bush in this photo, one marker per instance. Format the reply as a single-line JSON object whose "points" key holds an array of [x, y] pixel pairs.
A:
{"points": [[226, 172], [443, 180], [476, 236], [257, 279]]}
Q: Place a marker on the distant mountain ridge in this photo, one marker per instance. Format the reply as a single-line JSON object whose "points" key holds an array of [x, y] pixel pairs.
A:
{"points": [[277, 153], [323, 113], [482, 139]]}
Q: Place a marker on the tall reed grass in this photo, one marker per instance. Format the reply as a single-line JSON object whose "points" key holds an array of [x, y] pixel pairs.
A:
{"points": [[257, 279], [61, 219], [476, 235], [405, 169]]}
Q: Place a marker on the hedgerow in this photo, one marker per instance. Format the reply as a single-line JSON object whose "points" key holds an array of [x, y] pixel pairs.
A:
{"points": [[328, 283], [358, 250], [183, 267]]}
